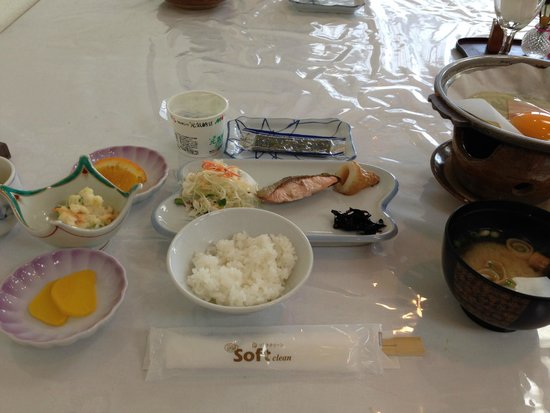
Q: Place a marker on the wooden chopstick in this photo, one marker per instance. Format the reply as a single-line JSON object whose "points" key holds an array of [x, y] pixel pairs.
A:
{"points": [[403, 346]]}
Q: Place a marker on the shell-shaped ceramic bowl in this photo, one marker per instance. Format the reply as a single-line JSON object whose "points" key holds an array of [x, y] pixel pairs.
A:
{"points": [[34, 209], [18, 290], [152, 162]]}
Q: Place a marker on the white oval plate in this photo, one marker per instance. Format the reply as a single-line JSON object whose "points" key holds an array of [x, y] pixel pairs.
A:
{"points": [[313, 215]]}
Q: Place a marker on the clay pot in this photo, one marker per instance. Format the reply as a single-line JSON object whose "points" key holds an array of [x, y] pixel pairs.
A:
{"points": [[489, 162], [492, 169]]}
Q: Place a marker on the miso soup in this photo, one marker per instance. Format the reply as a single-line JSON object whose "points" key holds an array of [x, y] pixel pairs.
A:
{"points": [[507, 259]]}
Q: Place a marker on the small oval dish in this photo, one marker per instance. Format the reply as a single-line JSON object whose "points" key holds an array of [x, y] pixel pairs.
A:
{"points": [[34, 208], [207, 229], [26, 281], [195, 4], [327, 6], [285, 138], [152, 162]]}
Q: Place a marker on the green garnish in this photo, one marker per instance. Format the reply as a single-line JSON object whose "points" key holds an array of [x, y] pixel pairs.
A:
{"points": [[222, 202], [509, 283], [178, 201]]}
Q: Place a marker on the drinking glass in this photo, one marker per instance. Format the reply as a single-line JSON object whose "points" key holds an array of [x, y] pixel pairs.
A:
{"points": [[514, 15]]}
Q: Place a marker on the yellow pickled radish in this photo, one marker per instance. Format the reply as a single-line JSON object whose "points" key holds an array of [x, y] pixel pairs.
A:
{"points": [[75, 294], [43, 308]]}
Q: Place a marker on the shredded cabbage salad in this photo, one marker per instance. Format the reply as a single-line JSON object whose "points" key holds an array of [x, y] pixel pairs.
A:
{"points": [[217, 186]]}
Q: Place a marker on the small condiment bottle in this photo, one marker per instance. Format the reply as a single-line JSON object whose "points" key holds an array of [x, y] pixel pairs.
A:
{"points": [[495, 40]]}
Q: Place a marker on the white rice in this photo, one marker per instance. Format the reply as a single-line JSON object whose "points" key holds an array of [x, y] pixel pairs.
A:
{"points": [[243, 270]]}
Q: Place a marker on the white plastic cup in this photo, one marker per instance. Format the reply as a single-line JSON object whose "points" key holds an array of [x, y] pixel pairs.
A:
{"points": [[8, 177], [197, 118]]}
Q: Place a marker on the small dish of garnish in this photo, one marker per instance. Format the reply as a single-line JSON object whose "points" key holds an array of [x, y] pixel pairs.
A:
{"points": [[61, 296]]}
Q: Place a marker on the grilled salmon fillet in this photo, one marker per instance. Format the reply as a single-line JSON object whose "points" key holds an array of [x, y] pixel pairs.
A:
{"points": [[293, 188]]}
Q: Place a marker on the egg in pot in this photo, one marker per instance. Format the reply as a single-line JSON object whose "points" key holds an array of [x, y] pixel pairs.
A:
{"points": [[533, 124]]}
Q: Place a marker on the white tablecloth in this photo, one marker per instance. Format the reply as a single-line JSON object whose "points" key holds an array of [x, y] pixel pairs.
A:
{"points": [[77, 76], [11, 10]]}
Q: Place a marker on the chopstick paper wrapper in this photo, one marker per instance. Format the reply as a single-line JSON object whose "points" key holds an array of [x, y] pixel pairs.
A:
{"points": [[342, 349]]}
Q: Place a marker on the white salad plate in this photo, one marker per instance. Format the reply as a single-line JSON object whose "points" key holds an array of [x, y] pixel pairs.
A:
{"points": [[313, 214], [328, 6]]}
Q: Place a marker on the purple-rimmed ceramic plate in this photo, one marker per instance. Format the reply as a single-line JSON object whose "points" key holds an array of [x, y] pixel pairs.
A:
{"points": [[24, 283], [152, 162]]}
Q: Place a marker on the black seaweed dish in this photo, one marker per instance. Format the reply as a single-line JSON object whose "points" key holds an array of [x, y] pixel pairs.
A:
{"points": [[489, 304]]}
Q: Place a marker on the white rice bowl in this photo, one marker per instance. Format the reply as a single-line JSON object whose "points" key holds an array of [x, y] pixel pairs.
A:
{"points": [[239, 260]]}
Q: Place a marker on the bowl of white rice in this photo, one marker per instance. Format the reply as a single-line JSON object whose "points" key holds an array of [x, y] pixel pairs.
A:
{"points": [[239, 260]]}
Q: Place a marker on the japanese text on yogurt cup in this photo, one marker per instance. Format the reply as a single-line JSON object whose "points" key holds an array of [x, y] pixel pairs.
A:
{"points": [[197, 119]]}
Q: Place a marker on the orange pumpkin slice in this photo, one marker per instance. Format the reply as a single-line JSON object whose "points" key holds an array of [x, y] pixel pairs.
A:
{"points": [[75, 294], [43, 308], [122, 172]]}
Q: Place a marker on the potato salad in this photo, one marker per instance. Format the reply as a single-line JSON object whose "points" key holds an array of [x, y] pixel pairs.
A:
{"points": [[85, 210]]}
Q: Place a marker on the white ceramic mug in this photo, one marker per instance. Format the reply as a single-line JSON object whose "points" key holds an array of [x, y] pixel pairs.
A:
{"points": [[197, 118], [8, 177]]}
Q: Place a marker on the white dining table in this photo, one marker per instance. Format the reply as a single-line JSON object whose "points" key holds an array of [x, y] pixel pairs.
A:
{"points": [[77, 76]]}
